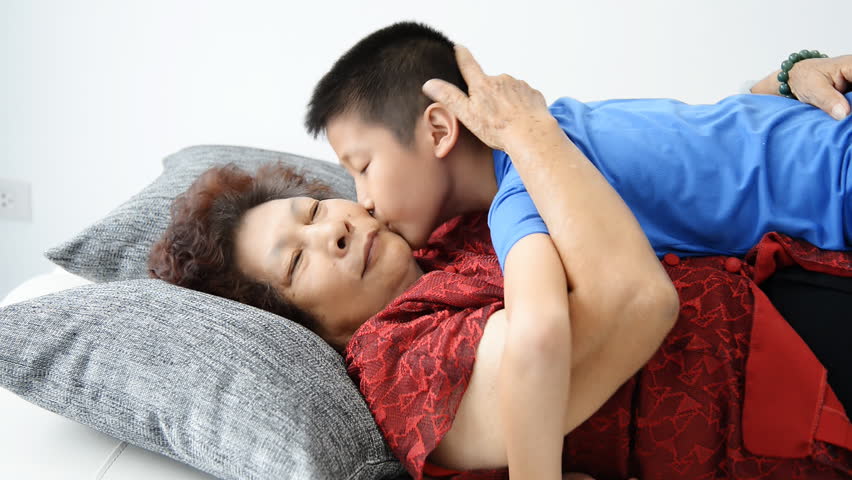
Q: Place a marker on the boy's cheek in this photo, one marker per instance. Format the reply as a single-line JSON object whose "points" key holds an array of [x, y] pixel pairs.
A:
{"points": [[406, 232]]}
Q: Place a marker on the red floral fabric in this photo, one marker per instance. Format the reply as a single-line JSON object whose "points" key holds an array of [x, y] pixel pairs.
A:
{"points": [[731, 393]]}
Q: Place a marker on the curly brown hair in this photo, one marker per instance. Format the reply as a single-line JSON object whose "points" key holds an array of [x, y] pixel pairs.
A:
{"points": [[197, 249]]}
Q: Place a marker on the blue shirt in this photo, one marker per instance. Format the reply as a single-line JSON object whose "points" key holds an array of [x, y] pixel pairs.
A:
{"points": [[703, 179]]}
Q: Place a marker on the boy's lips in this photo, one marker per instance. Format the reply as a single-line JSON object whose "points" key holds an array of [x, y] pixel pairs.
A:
{"points": [[369, 241]]}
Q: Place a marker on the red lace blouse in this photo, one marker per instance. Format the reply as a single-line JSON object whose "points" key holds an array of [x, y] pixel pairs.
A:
{"points": [[733, 392]]}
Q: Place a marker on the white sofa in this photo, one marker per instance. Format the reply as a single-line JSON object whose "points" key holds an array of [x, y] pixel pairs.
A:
{"points": [[36, 444]]}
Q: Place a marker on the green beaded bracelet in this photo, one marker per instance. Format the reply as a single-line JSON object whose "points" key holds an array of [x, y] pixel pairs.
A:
{"points": [[786, 65]]}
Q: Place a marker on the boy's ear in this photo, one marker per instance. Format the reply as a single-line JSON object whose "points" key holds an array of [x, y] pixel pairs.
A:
{"points": [[443, 128]]}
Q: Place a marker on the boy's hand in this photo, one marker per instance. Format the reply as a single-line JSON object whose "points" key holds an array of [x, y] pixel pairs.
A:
{"points": [[496, 109]]}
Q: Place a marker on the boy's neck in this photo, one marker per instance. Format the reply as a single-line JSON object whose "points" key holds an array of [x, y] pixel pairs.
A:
{"points": [[473, 183]]}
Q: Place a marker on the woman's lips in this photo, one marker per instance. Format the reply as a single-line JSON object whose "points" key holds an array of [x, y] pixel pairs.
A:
{"points": [[369, 242]]}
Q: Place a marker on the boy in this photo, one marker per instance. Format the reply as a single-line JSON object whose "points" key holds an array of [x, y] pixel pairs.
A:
{"points": [[703, 179]]}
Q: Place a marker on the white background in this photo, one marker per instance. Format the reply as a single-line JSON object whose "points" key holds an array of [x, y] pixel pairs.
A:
{"points": [[94, 94]]}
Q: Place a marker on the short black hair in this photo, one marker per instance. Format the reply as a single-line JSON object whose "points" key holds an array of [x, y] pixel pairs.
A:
{"points": [[381, 79]]}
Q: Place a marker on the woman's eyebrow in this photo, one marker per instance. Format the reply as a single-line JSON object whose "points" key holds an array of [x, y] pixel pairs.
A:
{"points": [[275, 251]]}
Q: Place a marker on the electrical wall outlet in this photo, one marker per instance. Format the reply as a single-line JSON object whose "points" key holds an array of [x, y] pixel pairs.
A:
{"points": [[15, 201]]}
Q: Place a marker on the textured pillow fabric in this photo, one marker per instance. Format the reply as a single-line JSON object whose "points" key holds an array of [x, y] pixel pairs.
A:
{"points": [[229, 389], [116, 247]]}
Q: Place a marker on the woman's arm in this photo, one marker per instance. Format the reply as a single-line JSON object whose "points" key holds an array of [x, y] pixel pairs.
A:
{"points": [[610, 266], [617, 283], [818, 81]]}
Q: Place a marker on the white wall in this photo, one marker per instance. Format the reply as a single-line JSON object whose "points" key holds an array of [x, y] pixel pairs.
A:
{"points": [[94, 93]]}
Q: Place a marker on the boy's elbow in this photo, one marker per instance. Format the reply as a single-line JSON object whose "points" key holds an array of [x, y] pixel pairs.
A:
{"points": [[544, 337]]}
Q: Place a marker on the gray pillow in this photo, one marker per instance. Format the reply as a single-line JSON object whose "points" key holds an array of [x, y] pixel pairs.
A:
{"points": [[116, 247], [231, 390]]}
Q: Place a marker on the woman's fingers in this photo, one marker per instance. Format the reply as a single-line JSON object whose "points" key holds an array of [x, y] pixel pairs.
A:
{"points": [[469, 67], [493, 105], [843, 83], [822, 83], [825, 97], [448, 94]]}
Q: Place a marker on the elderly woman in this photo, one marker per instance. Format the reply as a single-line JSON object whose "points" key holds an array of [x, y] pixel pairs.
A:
{"points": [[423, 335], [458, 390]]}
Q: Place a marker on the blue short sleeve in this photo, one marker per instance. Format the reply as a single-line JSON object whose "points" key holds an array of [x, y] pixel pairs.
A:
{"points": [[512, 215]]}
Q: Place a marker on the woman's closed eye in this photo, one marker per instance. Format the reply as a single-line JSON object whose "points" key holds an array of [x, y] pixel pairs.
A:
{"points": [[294, 262], [297, 255], [313, 212]]}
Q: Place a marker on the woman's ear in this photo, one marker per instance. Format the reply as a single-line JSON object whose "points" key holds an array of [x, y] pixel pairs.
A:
{"points": [[443, 129]]}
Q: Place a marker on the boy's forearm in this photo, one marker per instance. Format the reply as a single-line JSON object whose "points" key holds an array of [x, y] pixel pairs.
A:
{"points": [[536, 361], [606, 256], [533, 394]]}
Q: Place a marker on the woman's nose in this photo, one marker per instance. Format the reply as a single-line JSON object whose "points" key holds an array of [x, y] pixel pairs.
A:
{"points": [[334, 236]]}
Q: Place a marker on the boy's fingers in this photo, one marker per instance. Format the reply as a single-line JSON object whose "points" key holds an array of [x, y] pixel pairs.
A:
{"points": [[448, 94], [469, 67]]}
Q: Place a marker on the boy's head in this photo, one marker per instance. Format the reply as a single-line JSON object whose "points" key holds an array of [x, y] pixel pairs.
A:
{"points": [[390, 137]]}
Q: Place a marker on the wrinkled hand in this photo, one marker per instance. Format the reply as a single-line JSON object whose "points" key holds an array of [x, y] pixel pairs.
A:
{"points": [[822, 82], [495, 109]]}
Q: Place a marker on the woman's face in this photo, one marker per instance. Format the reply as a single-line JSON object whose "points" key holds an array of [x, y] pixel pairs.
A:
{"points": [[330, 258]]}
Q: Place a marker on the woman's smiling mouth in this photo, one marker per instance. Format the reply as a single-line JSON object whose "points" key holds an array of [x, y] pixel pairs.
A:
{"points": [[369, 242]]}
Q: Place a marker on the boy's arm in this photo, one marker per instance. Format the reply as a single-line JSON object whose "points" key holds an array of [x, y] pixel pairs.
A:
{"points": [[536, 363]]}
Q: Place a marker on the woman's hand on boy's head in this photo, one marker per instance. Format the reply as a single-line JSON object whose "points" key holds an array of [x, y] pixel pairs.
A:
{"points": [[496, 109]]}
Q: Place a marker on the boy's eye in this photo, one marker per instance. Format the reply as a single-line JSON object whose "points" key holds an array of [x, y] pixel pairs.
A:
{"points": [[364, 170]]}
